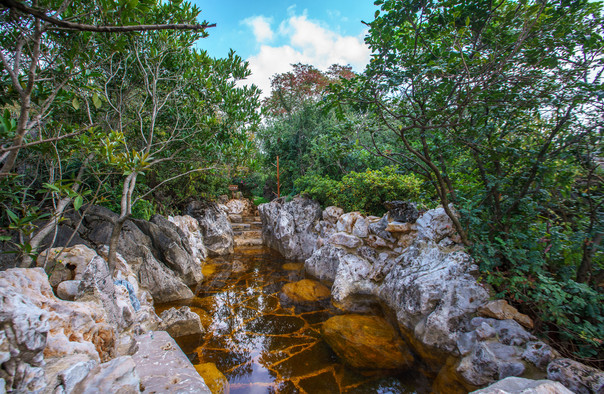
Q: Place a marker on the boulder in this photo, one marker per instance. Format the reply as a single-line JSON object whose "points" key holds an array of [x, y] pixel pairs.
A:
{"points": [[99, 224], [161, 282], [63, 264], [515, 385], [63, 374], [402, 211], [289, 227], [367, 342], [68, 290], [163, 367], [214, 225], [215, 380], [172, 248], [577, 377], [304, 291], [500, 309], [180, 322], [489, 362], [116, 376]]}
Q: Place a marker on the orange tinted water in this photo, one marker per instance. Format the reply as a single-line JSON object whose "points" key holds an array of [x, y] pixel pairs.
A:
{"points": [[264, 344]]}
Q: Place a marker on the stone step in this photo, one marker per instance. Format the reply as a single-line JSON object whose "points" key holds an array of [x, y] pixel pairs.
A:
{"points": [[249, 234], [248, 241], [249, 219], [240, 226]]}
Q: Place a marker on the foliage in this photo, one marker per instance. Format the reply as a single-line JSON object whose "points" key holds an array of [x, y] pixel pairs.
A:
{"points": [[362, 191], [498, 106]]}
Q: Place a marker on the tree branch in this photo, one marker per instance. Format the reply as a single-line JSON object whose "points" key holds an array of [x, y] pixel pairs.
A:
{"points": [[65, 25]]}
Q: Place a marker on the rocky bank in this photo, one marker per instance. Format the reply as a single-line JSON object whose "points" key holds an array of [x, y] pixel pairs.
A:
{"points": [[415, 267], [72, 326]]}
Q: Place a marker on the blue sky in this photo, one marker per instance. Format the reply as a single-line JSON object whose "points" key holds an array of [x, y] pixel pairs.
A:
{"points": [[271, 35]]}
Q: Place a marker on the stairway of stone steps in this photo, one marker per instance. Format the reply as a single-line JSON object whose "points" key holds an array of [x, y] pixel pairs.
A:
{"points": [[247, 230]]}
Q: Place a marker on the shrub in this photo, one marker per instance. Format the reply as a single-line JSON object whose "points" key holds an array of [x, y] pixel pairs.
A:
{"points": [[362, 191]]}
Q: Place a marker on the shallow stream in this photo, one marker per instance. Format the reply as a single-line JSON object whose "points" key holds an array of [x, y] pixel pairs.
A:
{"points": [[262, 343]]}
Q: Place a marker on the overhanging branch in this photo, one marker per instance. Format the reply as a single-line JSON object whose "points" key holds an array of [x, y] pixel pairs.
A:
{"points": [[65, 25]]}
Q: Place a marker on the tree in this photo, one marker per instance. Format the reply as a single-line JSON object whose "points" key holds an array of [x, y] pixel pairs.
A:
{"points": [[487, 101]]}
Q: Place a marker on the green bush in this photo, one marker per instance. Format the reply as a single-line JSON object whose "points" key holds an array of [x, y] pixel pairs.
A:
{"points": [[362, 191]]}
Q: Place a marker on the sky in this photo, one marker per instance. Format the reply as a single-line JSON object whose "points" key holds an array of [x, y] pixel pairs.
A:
{"points": [[272, 35]]}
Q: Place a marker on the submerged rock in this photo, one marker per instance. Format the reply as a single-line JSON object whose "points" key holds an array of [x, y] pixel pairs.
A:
{"points": [[367, 342], [305, 290], [215, 380]]}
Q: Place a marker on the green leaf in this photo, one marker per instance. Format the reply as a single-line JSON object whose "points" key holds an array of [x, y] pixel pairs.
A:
{"points": [[77, 203], [4, 238], [467, 20], [75, 103], [12, 215], [96, 100]]}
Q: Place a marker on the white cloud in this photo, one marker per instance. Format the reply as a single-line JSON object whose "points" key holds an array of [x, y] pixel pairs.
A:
{"points": [[306, 42], [261, 27]]}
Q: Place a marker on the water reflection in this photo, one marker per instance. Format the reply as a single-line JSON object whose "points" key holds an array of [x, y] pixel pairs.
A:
{"points": [[264, 345]]}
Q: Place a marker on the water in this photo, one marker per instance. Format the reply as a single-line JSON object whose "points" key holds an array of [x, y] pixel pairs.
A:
{"points": [[263, 344]]}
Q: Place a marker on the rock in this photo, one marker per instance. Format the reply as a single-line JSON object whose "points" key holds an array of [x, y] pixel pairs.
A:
{"points": [[73, 327], [163, 367], [379, 229], [376, 242], [235, 218], [68, 290], [345, 240], [288, 227], [64, 373], [305, 290], [332, 214], [215, 380], [489, 362], [161, 282], [324, 262], [361, 227], [346, 222], [500, 309], [435, 225], [180, 322], [96, 285], [117, 375], [366, 342], [172, 248], [398, 227], [508, 331], [190, 227], [99, 222], [577, 377], [515, 385], [539, 354], [23, 331], [65, 263], [215, 227], [402, 211], [239, 207]]}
